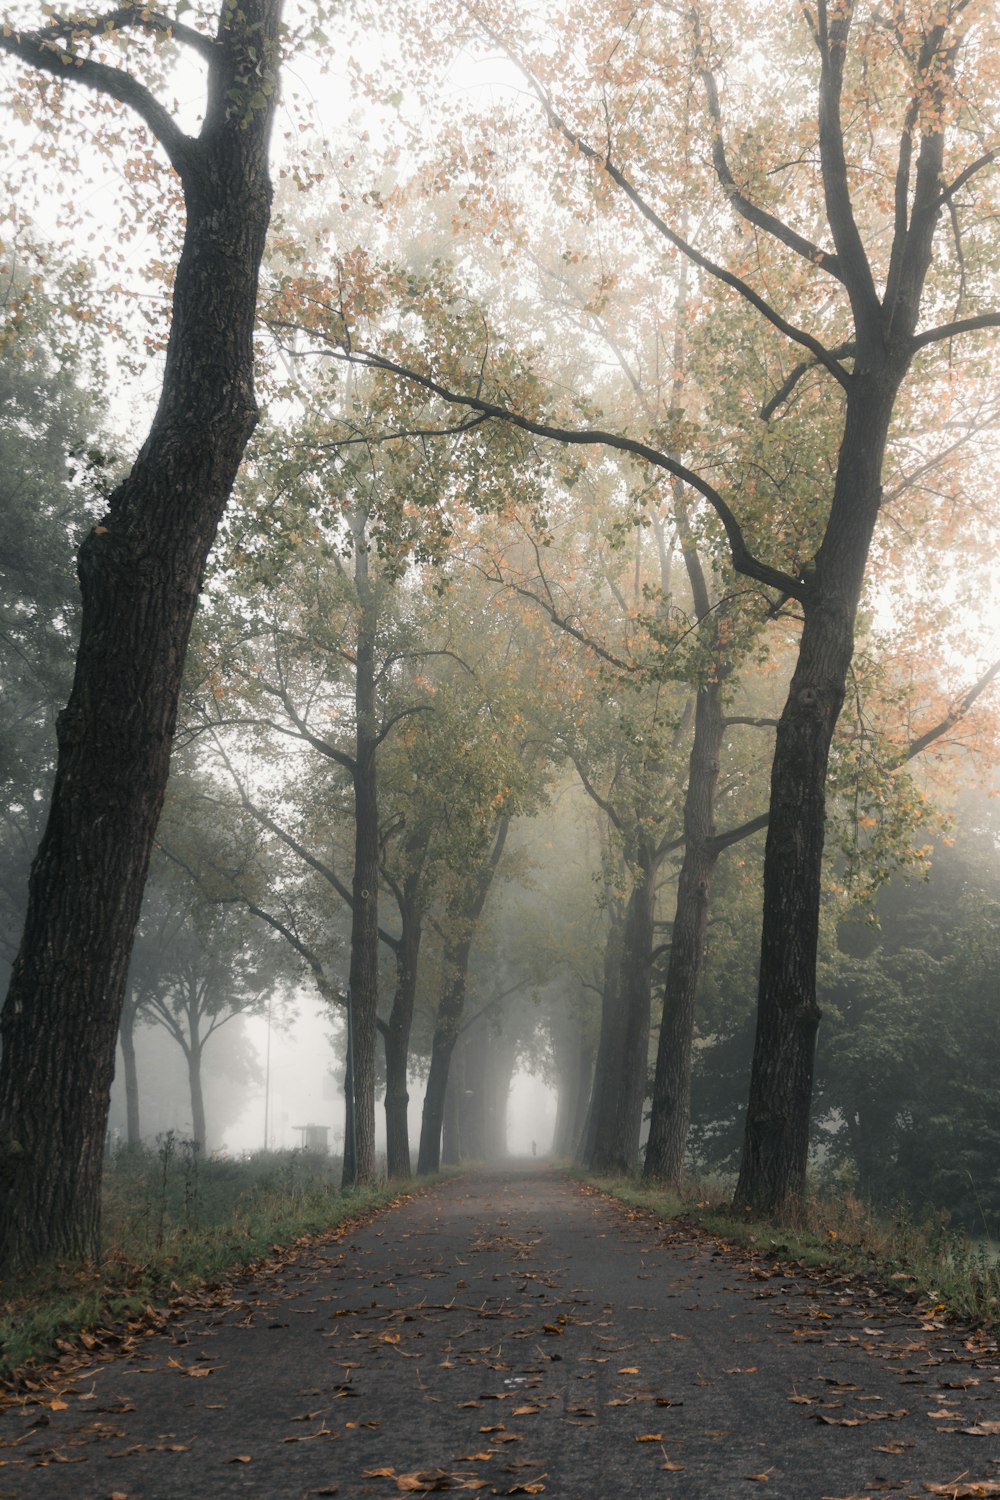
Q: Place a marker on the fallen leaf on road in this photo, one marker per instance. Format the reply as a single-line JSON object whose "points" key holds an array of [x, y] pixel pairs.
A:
{"points": [[965, 1489], [981, 1429], [629, 1370], [757, 1478], [424, 1483], [240, 1458], [647, 1437]]}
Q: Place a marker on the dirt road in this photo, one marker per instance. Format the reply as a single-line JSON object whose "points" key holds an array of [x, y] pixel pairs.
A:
{"points": [[515, 1334]]}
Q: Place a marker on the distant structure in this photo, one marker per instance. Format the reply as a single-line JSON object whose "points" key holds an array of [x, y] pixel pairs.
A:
{"points": [[314, 1138]]}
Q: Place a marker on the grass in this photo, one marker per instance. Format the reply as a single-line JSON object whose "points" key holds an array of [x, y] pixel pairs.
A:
{"points": [[927, 1263], [173, 1225]]}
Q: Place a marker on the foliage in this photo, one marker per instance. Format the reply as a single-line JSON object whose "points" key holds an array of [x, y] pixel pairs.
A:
{"points": [[52, 467]]}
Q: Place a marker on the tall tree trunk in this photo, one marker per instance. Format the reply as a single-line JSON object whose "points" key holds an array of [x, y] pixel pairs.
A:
{"points": [[140, 573], [397, 1031], [359, 1164], [575, 1063], [469, 1074], [776, 1141], [605, 1062], [671, 1109], [615, 1148], [198, 1131], [446, 1025], [453, 1146], [502, 1055], [126, 1036], [449, 1015]]}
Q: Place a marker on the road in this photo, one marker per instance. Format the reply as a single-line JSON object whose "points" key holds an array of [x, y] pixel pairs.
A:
{"points": [[515, 1334]]}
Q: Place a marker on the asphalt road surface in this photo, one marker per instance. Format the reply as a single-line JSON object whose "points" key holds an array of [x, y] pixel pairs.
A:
{"points": [[518, 1334]]}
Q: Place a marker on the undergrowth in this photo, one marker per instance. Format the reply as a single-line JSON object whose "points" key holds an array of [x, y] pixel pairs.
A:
{"points": [[942, 1269], [173, 1223]]}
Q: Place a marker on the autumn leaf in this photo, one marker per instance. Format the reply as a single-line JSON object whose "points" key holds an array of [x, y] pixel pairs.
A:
{"points": [[647, 1437], [965, 1489]]}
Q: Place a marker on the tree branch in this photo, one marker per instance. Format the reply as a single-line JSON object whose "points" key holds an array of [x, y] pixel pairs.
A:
{"points": [[720, 841], [953, 715], [744, 206], [145, 19], [952, 330], [40, 50], [646, 210], [743, 560]]}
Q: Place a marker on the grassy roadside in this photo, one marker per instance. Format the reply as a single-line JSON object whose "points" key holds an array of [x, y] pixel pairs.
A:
{"points": [[941, 1269], [174, 1228]]}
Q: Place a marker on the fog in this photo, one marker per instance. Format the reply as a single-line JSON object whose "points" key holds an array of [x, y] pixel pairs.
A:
{"points": [[305, 1089]]}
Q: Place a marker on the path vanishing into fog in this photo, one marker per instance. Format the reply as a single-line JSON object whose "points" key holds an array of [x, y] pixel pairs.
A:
{"points": [[517, 1334]]}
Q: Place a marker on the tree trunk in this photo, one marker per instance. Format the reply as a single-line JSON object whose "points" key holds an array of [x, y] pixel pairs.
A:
{"points": [[126, 1036], [453, 1147], [615, 1149], [450, 1006], [470, 1071], [575, 1063], [364, 912], [671, 1110], [449, 1015], [604, 1063], [776, 1141], [140, 573], [198, 1132], [397, 1033]]}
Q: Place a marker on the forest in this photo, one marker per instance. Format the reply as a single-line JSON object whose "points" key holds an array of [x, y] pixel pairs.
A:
{"points": [[499, 553]]}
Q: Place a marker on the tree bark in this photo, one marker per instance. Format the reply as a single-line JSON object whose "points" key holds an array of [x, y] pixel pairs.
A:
{"points": [[140, 573]]}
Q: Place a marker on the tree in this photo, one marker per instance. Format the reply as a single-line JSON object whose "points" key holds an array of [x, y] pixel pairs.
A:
{"points": [[195, 966], [895, 98], [140, 570]]}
